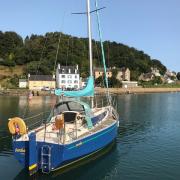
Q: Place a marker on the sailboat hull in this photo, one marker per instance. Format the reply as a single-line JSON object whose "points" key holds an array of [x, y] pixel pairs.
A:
{"points": [[65, 154]]}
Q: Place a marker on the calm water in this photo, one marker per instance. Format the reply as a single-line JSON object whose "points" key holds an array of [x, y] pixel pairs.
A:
{"points": [[147, 146]]}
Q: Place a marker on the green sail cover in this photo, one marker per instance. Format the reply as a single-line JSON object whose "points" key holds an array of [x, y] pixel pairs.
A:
{"points": [[87, 91]]}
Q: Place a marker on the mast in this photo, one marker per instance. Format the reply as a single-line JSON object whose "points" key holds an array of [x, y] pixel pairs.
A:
{"points": [[90, 37], [90, 44]]}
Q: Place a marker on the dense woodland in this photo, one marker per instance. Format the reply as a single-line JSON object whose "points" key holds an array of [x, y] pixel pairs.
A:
{"points": [[39, 52]]}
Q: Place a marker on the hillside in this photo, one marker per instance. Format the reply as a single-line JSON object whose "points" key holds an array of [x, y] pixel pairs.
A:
{"points": [[11, 71], [37, 54]]}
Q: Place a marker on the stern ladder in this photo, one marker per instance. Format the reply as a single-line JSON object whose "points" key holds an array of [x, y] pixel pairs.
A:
{"points": [[46, 159]]}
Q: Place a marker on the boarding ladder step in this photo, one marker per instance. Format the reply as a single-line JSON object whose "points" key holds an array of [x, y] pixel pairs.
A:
{"points": [[46, 159]]}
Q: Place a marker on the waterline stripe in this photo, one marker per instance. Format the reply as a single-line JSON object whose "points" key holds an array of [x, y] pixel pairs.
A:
{"points": [[77, 160]]}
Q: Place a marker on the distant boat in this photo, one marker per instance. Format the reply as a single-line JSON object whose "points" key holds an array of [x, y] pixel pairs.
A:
{"points": [[73, 131]]}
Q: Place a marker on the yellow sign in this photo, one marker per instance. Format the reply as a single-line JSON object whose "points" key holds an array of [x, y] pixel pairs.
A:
{"points": [[20, 150]]}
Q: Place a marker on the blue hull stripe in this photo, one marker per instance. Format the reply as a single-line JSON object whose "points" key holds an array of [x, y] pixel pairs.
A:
{"points": [[88, 140]]}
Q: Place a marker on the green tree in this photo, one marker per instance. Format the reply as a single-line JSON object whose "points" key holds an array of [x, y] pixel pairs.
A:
{"points": [[157, 64], [99, 82], [72, 51], [114, 83], [157, 80]]}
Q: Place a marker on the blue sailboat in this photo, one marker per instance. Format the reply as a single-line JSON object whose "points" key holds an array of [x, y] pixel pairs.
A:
{"points": [[74, 130]]}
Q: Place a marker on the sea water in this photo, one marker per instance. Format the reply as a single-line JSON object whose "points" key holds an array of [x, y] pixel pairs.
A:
{"points": [[147, 146]]}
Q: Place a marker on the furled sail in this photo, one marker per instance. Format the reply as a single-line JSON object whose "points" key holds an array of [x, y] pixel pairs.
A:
{"points": [[87, 91]]}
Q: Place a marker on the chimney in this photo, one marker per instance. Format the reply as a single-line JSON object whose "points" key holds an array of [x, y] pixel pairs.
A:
{"points": [[59, 66], [77, 66], [53, 76], [29, 75]]}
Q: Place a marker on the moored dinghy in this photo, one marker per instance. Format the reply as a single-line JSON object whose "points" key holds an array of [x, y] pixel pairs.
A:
{"points": [[74, 130]]}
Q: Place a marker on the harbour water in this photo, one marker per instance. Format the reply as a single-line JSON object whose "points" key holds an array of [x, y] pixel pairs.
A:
{"points": [[147, 146]]}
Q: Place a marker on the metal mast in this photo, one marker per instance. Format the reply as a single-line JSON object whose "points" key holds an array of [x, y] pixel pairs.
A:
{"points": [[90, 37]]}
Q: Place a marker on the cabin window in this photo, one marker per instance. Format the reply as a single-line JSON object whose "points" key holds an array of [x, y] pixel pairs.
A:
{"points": [[75, 106], [60, 109]]}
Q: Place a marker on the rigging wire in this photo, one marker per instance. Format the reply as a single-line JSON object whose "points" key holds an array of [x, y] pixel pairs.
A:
{"points": [[99, 62], [41, 57], [67, 50], [102, 51], [57, 52], [59, 41]]}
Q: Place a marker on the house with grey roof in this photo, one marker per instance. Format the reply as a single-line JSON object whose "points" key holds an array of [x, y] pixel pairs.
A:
{"points": [[39, 82], [67, 77]]}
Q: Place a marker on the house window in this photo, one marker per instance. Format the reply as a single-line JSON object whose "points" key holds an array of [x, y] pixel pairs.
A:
{"points": [[75, 81], [69, 81], [63, 70], [75, 77], [63, 81], [62, 76], [69, 76]]}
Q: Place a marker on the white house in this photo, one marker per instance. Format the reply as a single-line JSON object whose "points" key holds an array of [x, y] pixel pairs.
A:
{"points": [[22, 83], [67, 77], [155, 71], [129, 84]]}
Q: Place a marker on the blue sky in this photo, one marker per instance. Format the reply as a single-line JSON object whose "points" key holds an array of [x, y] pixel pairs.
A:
{"points": [[149, 25]]}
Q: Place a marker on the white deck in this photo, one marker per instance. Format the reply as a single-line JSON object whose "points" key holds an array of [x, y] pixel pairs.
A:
{"points": [[71, 131]]}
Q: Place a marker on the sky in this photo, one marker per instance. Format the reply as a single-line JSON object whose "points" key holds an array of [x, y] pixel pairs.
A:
{"points": [[152, 26]]}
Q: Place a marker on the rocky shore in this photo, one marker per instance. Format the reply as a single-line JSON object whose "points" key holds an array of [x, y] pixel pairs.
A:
{"points": [[138, 90], [23, 92]]}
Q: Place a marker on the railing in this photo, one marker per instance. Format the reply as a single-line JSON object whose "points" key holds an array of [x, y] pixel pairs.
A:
{"points": [[101, 102], [43, 118], [37, 120]]}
